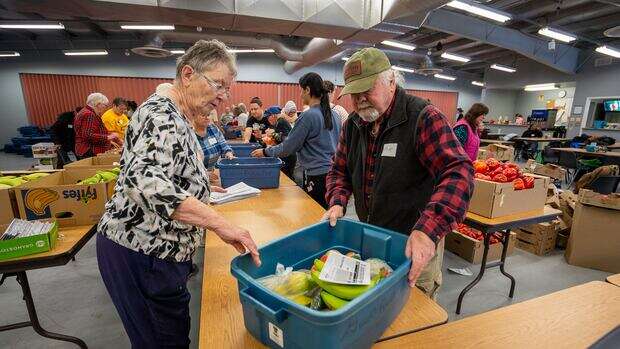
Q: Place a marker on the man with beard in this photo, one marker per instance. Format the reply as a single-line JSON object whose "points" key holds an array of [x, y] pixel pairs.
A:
{"points": [[398, 156]]}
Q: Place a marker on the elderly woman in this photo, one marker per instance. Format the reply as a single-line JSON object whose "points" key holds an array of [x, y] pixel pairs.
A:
{"points": [[211, 141], [153, 223]]}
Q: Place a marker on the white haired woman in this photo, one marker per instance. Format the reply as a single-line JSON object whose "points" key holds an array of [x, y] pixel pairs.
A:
{"points": [[91, 136], [157, 215]]}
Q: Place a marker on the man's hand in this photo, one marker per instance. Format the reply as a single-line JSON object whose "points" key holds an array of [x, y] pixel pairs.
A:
{"points": [[229, 155], [240, 239], [333, 214], [420, 249], [257, 153], [269, 131]]}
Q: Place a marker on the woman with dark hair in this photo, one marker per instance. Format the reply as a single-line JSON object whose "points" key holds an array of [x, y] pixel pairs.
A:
{"points": [[468, 129], [314, 137]]}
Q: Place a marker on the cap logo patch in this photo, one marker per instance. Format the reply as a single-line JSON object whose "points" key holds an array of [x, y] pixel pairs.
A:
{"points": [[353, 68]]}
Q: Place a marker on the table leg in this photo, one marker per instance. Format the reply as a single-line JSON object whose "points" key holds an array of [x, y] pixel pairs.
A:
{"points": [[483, 266], [505, 241], [34, 320]]}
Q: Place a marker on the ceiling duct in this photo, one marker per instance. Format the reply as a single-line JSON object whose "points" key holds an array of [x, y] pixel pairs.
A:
{"points": [[422, 63], [613, 32]]}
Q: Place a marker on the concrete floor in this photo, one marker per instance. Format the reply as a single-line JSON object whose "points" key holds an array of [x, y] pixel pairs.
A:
{"points": [[72, 299]]}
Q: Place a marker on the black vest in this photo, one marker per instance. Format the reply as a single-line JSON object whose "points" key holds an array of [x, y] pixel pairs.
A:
{"points": [[402, 187]]}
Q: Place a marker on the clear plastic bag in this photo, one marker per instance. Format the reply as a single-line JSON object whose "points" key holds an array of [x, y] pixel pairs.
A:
{"points": [[379, 267], [297, 285]]}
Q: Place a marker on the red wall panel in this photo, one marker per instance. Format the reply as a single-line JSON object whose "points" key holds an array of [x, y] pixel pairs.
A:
{"points": [[47, 95]]}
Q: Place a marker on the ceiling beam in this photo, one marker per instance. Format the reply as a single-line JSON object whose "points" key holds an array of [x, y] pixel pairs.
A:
{"points": [[564, 58], [598, 22]]}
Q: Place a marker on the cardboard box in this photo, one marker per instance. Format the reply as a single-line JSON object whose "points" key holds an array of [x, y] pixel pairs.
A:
{"points": [[594, 240], [472, 250], [549, 170], [104, 162], [59, 196], [491, 199], [538, 238], [498, 151], [24, 246], [8, 205], [553, 197], [567, 205]]}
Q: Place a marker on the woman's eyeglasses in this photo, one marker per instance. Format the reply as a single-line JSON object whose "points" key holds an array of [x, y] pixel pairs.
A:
{"points": [[219, 88]]}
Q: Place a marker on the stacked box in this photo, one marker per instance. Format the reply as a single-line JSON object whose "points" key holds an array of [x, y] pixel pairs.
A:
{"points": [[538, 239], [472, 250]]}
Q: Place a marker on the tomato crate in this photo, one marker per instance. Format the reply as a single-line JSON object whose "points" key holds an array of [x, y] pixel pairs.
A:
{"points": [[278, 322]]}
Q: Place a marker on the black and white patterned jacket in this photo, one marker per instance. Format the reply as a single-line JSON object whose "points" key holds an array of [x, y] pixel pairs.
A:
{"points": [[161, 165]]}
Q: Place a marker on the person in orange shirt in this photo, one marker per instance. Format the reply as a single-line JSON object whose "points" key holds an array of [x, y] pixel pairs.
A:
{"points": [[114, 119]]}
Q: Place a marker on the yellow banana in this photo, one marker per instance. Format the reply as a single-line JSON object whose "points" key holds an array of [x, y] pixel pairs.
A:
{"points": [[347, 292]]}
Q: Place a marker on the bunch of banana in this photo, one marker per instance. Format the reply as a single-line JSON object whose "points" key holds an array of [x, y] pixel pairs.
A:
{"points": [[38, 199], [337, 295], [102, 176], [13, 181], [298, 282]]}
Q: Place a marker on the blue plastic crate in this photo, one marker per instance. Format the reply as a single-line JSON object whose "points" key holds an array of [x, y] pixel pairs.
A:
{"points": [[26, 150], [262, 173], [358, 324], [244, 150]]}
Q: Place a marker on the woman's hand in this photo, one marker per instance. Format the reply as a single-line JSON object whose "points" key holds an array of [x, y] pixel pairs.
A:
{"points": [[240, 239], [216, 189], [258, 153], [213, 177]]}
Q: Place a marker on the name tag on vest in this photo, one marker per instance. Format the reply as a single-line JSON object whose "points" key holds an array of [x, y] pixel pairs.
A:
{"points": [[389, 149]]}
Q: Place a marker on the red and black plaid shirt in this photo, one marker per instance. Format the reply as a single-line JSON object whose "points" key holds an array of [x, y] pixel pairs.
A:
{"points": [[442, 155], [90, 133]]}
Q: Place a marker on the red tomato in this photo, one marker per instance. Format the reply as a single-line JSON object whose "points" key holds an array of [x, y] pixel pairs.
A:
{"points": [[501, 178], [510, 173], [492, 163], [518, 184], [510, 164], [528, 181], [482, 176]]}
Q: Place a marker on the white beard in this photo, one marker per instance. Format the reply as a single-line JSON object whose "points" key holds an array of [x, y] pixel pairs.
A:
{"points": [[369, 114]]}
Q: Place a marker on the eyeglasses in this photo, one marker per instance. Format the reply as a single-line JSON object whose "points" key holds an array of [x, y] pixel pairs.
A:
{"points": [[219, 88]]}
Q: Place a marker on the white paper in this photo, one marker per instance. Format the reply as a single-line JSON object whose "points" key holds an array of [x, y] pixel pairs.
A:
{"points": [[341, 269], [389, 149], [461, 271], [233, 193]]}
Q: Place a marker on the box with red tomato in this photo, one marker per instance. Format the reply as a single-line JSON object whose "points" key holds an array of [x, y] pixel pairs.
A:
{"points": [[466, 242], [502, 189]]}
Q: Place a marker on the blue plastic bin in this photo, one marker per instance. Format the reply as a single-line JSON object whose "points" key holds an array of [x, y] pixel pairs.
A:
{"points": [[262, 173], [244, 150], [271, 318]]}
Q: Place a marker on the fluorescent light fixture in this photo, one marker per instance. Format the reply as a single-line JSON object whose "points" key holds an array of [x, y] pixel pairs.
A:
{"points": [[345, 58], [407, 70], [445, 77], [503, 68], [177, 51], [86, 53], [8, 25], [9, 54], [554, 34], [251, 50], [479, 10], [147, 26], [541, 87], [398, 44], [455, 57], [606, 50], [478, 83]]}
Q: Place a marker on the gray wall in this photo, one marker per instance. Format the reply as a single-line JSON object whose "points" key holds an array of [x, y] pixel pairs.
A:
{"points": [[500, 102], [257, 67]]}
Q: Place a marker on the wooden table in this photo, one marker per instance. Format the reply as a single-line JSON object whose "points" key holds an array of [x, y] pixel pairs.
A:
{"points": [[572, 318], [273, 214], [583, 152], [614, 279], [70, 241], [496, 141], [503, 225], [540, 139]]}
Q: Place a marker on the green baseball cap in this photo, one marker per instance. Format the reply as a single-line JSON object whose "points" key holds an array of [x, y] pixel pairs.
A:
{"points": [[362, 69]]}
